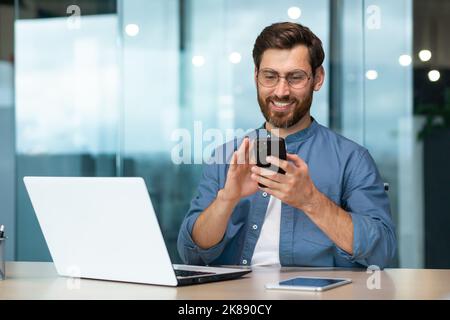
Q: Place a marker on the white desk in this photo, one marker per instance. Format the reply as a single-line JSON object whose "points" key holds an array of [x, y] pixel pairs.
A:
{"points": [[38, 280]]}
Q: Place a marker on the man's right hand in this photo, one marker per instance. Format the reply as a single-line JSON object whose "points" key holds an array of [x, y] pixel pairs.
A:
{"points": [[209, 228], [239, 183]]}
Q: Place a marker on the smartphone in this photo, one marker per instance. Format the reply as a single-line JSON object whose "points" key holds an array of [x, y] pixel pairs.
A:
{"points": [[308, 284], [270, 146]]}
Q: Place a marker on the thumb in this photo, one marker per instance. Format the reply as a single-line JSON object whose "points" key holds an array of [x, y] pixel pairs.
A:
{"points": [[296, 160]]}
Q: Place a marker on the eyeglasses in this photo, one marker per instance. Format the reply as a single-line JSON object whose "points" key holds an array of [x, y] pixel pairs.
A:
{"points": [[296, 79]]}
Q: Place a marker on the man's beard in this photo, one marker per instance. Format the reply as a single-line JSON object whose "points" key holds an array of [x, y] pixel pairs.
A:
{"points": [[281, 119]]}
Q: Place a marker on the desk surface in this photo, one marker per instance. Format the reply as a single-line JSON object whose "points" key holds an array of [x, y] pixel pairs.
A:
{"points": [[39, 280]]}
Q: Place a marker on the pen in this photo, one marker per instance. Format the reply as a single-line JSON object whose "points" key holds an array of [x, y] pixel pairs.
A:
{"points": [[2, 231]]}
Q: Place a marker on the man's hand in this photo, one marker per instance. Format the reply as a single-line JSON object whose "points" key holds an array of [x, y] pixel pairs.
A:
{"points": [[210, 226], [297, 190], [294, 188], [239, 183]]}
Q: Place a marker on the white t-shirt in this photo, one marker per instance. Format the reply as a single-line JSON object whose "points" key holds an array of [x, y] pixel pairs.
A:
{"points": [[267, 251]]}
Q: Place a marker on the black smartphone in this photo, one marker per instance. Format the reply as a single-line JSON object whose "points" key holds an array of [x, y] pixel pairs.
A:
{"points": [[270, 146]]}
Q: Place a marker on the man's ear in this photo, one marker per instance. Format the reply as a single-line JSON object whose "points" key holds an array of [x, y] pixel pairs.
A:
{"points": [[319, 78], [256, 75]]}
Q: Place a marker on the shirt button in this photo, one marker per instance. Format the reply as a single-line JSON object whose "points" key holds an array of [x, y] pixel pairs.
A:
{"points": [[264, 194], [255, 227], [244, 261]]}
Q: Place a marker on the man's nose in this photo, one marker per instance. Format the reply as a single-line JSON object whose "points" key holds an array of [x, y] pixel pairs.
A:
{"points": [[282, 88]]}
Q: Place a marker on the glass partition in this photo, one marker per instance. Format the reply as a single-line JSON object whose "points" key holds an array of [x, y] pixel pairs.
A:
{"points": [[388, 117], [67, 106]]}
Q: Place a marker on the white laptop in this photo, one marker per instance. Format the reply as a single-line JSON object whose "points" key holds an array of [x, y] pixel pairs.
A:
{"points": [[106, 228]]}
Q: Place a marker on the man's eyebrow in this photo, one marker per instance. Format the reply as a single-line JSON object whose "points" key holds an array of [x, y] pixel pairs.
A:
{"points": [[297, 70], [268, 69], [290, 72]]}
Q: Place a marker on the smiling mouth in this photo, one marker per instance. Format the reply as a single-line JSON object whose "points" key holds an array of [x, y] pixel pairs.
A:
{"points": [[281, 106]]}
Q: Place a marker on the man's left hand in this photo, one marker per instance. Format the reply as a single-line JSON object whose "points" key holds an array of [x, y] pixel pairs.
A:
{"points": [[294, 188]]}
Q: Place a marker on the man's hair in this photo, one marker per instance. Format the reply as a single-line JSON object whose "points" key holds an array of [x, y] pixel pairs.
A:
{"points": [[287, 35]]}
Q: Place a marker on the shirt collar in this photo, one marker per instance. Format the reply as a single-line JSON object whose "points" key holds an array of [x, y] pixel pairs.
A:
{"points": [[299, 135]]}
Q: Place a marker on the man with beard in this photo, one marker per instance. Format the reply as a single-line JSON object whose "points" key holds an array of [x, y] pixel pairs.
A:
{"points": [[329, 209]]}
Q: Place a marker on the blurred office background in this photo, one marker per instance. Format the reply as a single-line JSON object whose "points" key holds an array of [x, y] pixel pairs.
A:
{"points": [[99, 87]]}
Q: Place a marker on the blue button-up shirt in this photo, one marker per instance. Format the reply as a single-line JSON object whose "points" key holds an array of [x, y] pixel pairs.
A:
{"points": [[341, 169]]}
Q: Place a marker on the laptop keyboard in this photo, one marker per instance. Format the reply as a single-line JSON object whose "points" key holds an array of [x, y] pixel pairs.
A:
{"points": [[188, 273]]}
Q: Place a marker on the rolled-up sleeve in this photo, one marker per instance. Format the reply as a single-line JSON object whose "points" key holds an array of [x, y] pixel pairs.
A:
{"points": [[374, 238], [207, 190]]}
